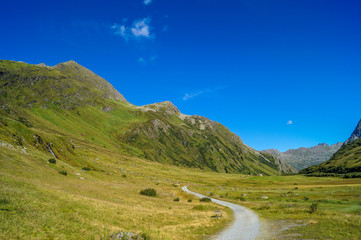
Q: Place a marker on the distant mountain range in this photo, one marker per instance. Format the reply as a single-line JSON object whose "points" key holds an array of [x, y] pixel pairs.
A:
{"points": [[304, 157], [66, 109], [346, 160]]}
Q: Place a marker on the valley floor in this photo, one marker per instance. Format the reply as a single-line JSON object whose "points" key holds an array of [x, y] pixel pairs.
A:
{"points": [[36, 202]]}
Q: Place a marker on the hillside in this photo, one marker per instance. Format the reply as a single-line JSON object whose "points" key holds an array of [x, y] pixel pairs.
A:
{"points": [[304, 157], [346, 160], [62, 110]]}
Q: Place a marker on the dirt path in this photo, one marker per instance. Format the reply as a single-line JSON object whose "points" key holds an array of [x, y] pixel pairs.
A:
{"points": [[246, 225]]}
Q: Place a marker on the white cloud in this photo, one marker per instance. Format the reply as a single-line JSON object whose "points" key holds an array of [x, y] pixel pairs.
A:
{"points": [[147, 2], [141, 28], [289, 122]]}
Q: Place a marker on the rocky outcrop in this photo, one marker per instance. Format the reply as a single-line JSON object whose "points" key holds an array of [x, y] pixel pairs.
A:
{"points": [[356, 134]]}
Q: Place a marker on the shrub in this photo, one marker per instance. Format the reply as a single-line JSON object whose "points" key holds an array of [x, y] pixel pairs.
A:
{"points": [[63, 172], [52, 160], [205, 199], [189, 200], [242, 198], [176, 199], [149, 192], [124, 176], [306, 198], [313, 207], [86, 168]]}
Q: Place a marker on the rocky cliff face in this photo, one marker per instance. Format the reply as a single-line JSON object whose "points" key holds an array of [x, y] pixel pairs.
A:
{"points": [[304, 157], [356, 134]]}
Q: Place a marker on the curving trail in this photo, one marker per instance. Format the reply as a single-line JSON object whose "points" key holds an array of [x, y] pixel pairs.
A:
{"points": [[246, 225]]}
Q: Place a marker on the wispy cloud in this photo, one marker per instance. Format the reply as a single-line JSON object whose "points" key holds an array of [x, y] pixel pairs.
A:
{"points": [[147, 2], [191, 95], [290, 122], [139, 29], [146, 61]]}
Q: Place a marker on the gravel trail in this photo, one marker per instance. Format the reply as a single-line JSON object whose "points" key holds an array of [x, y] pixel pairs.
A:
{"points": [[246, 225]]}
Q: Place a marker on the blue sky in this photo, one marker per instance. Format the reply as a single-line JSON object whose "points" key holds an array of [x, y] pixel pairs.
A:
{"points": [[281, 74]]}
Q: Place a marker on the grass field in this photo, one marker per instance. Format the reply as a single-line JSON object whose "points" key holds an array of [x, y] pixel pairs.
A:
{"points": [[284, 203], [36, 202]]}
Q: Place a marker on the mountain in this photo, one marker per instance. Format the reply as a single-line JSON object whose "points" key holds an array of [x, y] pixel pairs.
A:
{"points": [[356, 134], [304, 157], [65, 109], [346, 160]]}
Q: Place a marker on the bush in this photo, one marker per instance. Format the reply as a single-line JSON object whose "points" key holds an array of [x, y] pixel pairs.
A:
{"points": [[65, 173], [86, 168], [189, 200], [306, 198], [176, 199], [149, 192], [52, 160], [205, 199], [124, 176], [242, 198], [313, 207]]}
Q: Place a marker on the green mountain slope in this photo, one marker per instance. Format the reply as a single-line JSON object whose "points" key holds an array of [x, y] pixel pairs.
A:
{"points": [[66, 109]]}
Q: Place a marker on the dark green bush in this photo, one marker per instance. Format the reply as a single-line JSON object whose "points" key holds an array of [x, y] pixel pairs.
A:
{"points": [[176, 199], [149, 192], [242, 198], [124, 176], [313, 207], [205, 199], [306, 198], [52, 160], [189, 200], [86, 168], [63, 172]]}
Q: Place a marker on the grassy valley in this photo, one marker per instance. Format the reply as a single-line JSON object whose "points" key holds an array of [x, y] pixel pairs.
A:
{"points": [[74, 156]]}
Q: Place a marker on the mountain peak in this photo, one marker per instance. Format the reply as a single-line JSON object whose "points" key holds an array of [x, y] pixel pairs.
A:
{"points": [[83, 74], [356, 134]]}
